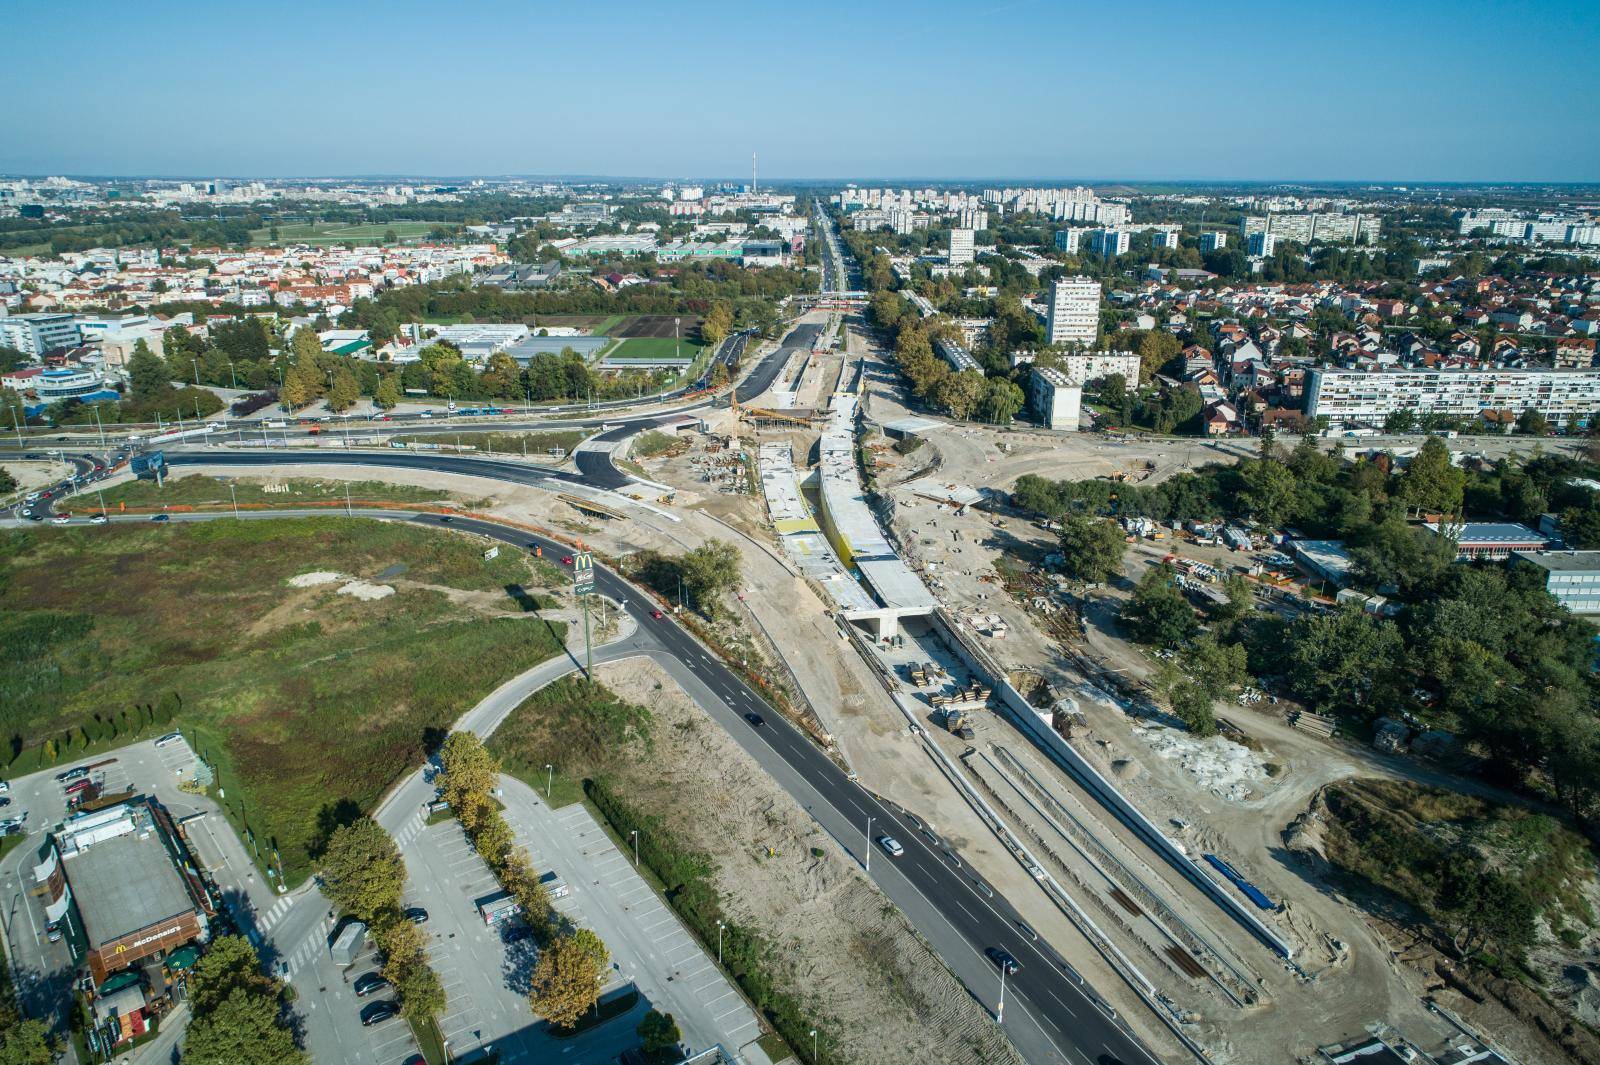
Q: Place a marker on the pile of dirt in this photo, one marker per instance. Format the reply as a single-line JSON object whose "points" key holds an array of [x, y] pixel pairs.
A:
{"points": [[842, 948]]}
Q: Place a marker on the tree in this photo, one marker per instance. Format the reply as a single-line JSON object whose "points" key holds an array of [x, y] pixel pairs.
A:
{"points": [[344, 391], [28, 1043], [708, 571], [1431, 483], [362, 872], [502, 377], [959, 393], [591, 944], [1484, 907], [230, 964], [470, 773], [1400, 422], [1000, 402], [8, 483], [658, 1032], [1158, 613], [717, 323], [1192, 706], [1532, 423], [1267, 490], [305, 345], [147, 374], [1091, 548], [566, 982], [1342, 659], [405, 951], [388, 394], [242, 1030]]}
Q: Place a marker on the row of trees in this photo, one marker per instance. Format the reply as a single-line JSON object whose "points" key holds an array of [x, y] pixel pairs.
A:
{"points": [[969, 394], [364, 876], [572, 962]]}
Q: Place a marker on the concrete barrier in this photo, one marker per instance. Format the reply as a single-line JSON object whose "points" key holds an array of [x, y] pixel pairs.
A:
{"points": [[1016, 709]]}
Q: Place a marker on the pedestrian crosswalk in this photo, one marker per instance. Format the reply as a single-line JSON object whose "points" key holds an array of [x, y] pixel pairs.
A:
{"points": [[275, 913], [410, 830], [308, 949]]}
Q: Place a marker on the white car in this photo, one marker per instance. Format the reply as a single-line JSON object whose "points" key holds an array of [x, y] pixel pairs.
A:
{"points": [[99, 519], [891, 846], [60, 519]]}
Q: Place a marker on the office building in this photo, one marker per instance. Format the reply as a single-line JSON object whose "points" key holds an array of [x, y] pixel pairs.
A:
{"points": [[1213, 240], [1261, 245], [1067, 240], [38, 334], [1572, 577], [1366, 398], [961, 246], [1055, 401], [1073, 314], [1109, 242]]}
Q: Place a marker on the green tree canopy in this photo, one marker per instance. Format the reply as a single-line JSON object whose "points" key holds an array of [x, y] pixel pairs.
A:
{"points": [[361, 870]]}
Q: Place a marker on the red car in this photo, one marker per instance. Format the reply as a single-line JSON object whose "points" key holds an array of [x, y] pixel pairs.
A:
{"points": [[566, 560], [656, 614]]}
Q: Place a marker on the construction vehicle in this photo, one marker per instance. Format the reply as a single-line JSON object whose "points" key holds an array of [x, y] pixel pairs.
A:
{"points": [[958, 723]]}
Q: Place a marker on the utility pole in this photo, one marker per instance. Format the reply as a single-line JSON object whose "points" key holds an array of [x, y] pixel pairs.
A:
{"points": [[97, 424], [235, 497], [348, 512]]}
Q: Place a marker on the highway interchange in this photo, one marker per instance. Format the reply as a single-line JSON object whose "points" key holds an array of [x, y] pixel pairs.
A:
{"points": [[1050, 1014]]}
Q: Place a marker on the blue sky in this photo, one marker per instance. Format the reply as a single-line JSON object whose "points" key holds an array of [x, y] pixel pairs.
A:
{"points": [[1401, 90]]}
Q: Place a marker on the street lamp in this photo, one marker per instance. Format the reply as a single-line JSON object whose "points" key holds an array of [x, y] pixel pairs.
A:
{"points": [[813, 1044], [235, 497], [720, 927], [635, 834], [1000, 1010], [869, 844], [549, 778]]}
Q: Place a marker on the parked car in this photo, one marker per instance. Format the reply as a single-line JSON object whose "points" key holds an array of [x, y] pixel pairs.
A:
{"points": [[169, 738], [75, 773], [416, 915], [379, 1012], [370, 983]]}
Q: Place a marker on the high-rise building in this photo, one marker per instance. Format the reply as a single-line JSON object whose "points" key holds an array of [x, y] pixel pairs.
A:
{"points": [[961, 246], [1165, 238], [1261, 245], [1110, 242], [37, 334], [1073, 315], [1213, 240], [1067, 240], [974, 218]]}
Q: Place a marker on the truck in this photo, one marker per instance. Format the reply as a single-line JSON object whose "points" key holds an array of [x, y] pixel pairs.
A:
{"points": [[553, 885], [347, 944], [500, 906]]}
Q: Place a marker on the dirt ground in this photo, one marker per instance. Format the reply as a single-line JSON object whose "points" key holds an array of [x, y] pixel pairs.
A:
{"points": [[31, 475], [846, 950]]}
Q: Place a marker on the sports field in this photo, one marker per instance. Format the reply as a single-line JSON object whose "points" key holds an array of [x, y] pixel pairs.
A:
{"points": [[340, 232], [654, 348]]}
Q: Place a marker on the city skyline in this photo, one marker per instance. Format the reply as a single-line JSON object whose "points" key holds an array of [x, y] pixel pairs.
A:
{"points": [[1247, 94]]}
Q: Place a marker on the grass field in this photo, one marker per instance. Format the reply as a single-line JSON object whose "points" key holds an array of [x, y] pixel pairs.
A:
{"points": [[339, 232], [535, 445], [577, 727], [198, 489], [654, 348], [308, 702]]}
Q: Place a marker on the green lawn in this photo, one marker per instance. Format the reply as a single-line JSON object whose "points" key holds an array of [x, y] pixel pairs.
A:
{"points": [[610, 323], [572, 725], [339, 232], [198, 489], [655, 348], [308, 702]]}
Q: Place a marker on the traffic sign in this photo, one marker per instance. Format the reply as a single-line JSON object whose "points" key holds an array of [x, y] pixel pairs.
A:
{"points": [[582, 573]]}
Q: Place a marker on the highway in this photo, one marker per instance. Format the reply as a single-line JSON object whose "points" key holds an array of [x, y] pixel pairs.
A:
{"points": [[1050, 1014]]}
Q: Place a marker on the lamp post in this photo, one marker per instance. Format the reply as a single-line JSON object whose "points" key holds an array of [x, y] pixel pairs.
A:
{"points": [[635, 834], [869, 845], [235, 497], [813, 1044], [549, 778], [720, 927], [1000, 1010]]}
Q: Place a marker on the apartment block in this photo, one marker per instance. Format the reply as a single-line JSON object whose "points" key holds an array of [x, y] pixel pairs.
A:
{"points": [[1355, 397], [1073, 313]]}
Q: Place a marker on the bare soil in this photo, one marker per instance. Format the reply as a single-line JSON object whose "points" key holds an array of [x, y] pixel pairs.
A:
{"points": [[846, 949]]}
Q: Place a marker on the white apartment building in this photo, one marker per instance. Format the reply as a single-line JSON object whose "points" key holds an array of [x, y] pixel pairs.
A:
{"points": [[1261, 245], [1056, 402], [1110, 241], [36, 334], [1073, 314], [1354, 397], [1089, 366], [961, 246], [1213, 240], [974, 218]]}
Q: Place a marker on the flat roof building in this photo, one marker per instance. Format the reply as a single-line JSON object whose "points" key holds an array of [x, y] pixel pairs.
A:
{"points": [[1366, 398], [1573, 577], [961, 246], [1054, 399], [1325, 559], [124, 874], [1073, 313], [1488, 540]]}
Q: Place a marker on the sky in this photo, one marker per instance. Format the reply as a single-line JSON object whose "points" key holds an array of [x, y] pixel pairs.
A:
{"points": [[1402, 90]]}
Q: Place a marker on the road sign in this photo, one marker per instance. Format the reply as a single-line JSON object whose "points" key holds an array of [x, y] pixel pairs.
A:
{"points": [[492, 553], [582, 573]]}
